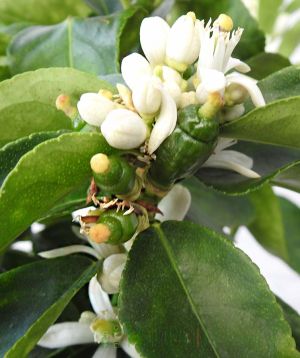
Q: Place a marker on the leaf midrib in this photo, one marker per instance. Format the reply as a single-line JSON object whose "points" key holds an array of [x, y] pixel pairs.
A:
{"points": [[169, 253]]}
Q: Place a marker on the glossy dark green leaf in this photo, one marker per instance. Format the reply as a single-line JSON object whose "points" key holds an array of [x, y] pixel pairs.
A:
{"points": [[267, 227], [91, 45], [43, 176], [216, 210], [267, 13], [277, 123], [293, 319], [278, 165], [265, 64], [197, 296], [27, 101], [12, 152], [41, 11], [27, 313], [252, 41], [105, 7]]}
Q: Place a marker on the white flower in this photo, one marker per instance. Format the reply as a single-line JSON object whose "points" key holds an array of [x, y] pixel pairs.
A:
{"points": [[94, 107], [231, 159], [215, 61], [175, 204], [146, 96], [154, 33], [183, 43], [134, 68], [112, 269], [187, 98], [87, 331], [124, 129], [165, 122], [234, 112]]}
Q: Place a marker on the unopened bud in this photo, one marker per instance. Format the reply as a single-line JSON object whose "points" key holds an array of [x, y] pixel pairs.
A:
{"points": [[93, 108], [112, 269], [187, 98], [63, 103], [146, 97], [124, 129], [99, 163], [224, 22], [126, 96]]}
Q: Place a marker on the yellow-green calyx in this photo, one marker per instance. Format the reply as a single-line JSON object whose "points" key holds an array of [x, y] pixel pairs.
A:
{"points": [[106, 331], [178, 66], [212, 106]]}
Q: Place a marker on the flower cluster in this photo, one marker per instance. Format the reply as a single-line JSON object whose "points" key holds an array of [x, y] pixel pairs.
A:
{"points": [[183, 64]]}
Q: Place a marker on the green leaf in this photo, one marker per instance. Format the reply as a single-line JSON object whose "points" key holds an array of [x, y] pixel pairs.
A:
{"points": [[267, 227], [293, 6], [293, 319], [41, 11], [44, 176], [27, 313], [105, 7], [277, 165], [265, 64], [92, 45], [277, 123], [290, 40], [282, 84], [216, 210], [12, 152], [252, 41], [196, 296], [267, 13], [27, 101]]}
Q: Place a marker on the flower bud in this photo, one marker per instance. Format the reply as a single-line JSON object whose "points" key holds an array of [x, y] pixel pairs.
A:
{"points": [[187, 98], [146, 97], [184, 42], [133, 68], [154, 33], [112, 269], [124, 129], [94, 107], [174, 90]]}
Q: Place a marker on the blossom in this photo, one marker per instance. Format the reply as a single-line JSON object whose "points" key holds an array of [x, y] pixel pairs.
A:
{"points": [[215, 61], [231, 159], [124, 129], [94, 107], [112, 269], [100, 326]]}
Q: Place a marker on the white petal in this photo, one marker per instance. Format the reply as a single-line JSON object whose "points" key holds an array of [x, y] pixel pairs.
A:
{"points": [[235, 63], [111, 272], [154, 33], [212, 80], [232, 160], [106, 351], [105, 250], [184, 41], [175, 204], [94, 107], [201, 93], [129, 348], [124, 129], [173, 90], [98, 298], [134, 67], [146, 96], [224, 143], [66, 334], [165, 122], [68, 250], [169, 74], [187, 98], [250, 85]]}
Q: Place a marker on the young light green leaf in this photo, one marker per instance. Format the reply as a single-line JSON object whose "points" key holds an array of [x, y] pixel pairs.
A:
{"points": [[265, 64], [12, 152], [196, 289], [27, 313], [290, 40], [216, 210], [277, 165], [44, 12], [43, 176], [267, 14], [277, 123], [92, 45], [27, 101]]}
